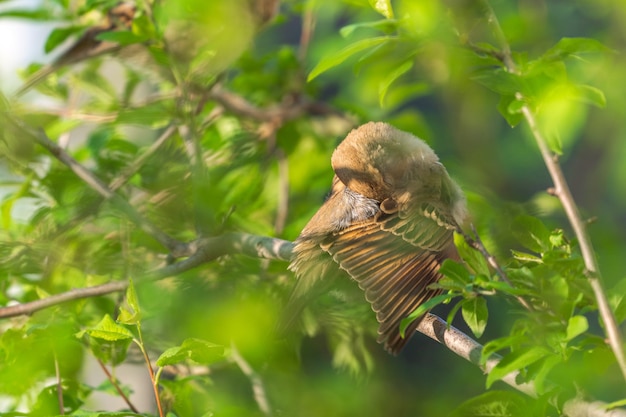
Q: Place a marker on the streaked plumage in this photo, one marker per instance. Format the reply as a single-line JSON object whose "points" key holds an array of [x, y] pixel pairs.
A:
{"points": [[388, 223]]}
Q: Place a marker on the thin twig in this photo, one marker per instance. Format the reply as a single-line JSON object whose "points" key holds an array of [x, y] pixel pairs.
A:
{"points": [[57, 373], [258, 389], [562, 191], [117, 386], [476, 243], [155, 386]]}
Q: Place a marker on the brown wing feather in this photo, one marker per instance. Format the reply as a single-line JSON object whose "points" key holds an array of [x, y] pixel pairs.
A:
{"points": [[394, 258]]}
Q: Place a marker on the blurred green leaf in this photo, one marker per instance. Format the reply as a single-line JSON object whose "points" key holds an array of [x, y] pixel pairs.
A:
{"points": [[567, 47], [60, 35], [197, 350], [386, 26], [393, 76], [514, 361], [494, 404], [531, 233], [510, 108], [337, 58], [383, 7], [500, 81]]}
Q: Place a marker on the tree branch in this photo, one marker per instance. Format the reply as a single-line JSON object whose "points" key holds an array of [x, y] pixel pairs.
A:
{"points": [[204, 250], [562, 191], [208, 249], [470, 350]]}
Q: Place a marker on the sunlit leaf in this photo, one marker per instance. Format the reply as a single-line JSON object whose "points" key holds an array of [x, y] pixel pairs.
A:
{"points": [[109, 330], [197, 350], [383, 7], [130, 313], [576, 326]]}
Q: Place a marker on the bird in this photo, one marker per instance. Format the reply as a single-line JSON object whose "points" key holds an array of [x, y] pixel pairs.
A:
{"points": [[388, 224], [119, 17]]}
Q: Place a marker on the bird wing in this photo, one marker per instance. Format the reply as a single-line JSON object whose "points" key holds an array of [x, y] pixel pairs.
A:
{"points": [[394, 257]]}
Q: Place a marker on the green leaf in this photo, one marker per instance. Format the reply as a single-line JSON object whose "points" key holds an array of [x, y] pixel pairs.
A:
{"points": [[456, 272], [526, 257], [567, 47], [589, 95], [474, 259], [508, 108], [337, 58], [385, 25], [389, 79], [475, 314], [576, 326], [494, 404], [617, 300], [36, 14], [130, 313], [546, 366], [155, 115], [109, 341], [109, 330], [500, 81], [531, 233], [423, 309], [59, 35], [383, 7], [193, 349], [514, 361], [496, 345]]}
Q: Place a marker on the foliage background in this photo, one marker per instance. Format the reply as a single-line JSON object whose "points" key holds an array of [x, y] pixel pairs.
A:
{"points": [[231, 174]]}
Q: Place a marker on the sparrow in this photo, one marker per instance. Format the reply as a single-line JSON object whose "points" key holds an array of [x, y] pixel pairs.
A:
{"points": [[388, 224]]}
